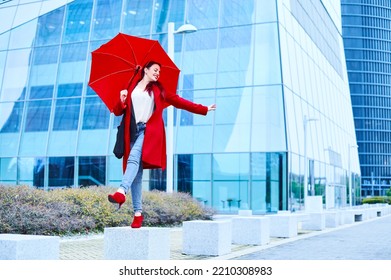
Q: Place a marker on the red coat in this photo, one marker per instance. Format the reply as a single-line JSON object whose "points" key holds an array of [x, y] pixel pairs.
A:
{"points": [[154, 146]]}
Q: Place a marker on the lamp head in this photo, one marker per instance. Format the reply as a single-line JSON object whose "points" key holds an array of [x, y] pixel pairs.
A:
{"points": [[186, 28]]}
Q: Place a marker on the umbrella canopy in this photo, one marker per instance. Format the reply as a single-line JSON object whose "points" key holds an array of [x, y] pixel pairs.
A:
{"points": [[116, 63]]}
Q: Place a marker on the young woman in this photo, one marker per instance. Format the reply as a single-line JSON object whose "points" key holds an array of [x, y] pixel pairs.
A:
{"points": [[145, 143]]}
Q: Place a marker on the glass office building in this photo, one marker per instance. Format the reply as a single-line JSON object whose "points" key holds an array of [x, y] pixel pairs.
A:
{"points": [[276, 70], [367, 37]]}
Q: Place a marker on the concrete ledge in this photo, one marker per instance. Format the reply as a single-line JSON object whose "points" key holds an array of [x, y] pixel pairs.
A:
{"points": [[126, 243], [251, 230], [210, 238], [245, 212], [347, 217], [29, 247], [333, 219], [283, 225], [316, 221]]}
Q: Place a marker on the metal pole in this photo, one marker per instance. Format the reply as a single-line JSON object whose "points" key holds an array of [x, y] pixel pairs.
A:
{"points": [[305, 121], [350, 178], [170, 119]]}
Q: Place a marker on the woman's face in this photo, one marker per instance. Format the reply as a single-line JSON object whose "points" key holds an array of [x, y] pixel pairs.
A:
{"points": [[152, 73]]}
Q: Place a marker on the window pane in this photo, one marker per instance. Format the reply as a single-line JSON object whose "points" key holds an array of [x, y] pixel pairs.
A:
{"points": [[78, 21], [73, 63], [8, 170], [44, 66], [92, 171], [50, 27], [230, 181], [15, 75], [96, 114], [204, 14], [137, 19], [31, 171], [238, 12], [67, 114], [40, 92], [267, 51], [38, 113], [69, 90], [23, 36], [235, 65], [106, 21], [61, 171], [232, 129], [11, 116]]}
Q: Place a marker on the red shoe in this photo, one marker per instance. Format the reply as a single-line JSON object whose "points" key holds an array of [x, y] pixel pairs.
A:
{"points": [[137, 221], [117, 198]]}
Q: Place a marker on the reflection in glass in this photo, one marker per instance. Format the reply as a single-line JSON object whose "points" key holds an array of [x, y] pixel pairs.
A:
{"points": [[200, 58], [23, 36], [69, 90], [266, 53], [73, 63], [92, 171], [238, 12], [96, 114], [78, 21], [231, 177], [11, 116], [137, 17], [8, 170], [40, 92], [235, 64], [44, 66], [38, 113], [50, 28], [66, 116], [31, 171], [61, 171], [106, 20], [204, 14]]}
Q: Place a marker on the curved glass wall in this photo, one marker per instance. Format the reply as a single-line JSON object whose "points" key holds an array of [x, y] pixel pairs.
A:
{"points": [[268, 66], [366, 32]]}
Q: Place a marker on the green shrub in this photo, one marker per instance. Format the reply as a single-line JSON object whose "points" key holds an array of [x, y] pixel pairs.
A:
{"points": [[377, 199], [82, 210]]}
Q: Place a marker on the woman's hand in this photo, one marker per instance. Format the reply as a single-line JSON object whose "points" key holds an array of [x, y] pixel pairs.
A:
{"points": [[212, 107], [122, 95]]}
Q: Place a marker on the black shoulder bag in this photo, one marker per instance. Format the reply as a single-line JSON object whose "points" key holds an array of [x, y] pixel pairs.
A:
{"points": [[119, 147]]}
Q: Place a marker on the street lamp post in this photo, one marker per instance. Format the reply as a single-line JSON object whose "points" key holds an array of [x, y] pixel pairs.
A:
{"points": [[305, 123], [350, 175], [186, 28]]}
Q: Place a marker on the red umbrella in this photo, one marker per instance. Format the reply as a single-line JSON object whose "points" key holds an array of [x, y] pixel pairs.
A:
{"points": [[116, 63]]}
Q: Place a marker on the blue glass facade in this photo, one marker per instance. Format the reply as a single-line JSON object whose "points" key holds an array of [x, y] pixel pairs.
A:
{"points": [[367, 39], [268, 65]]}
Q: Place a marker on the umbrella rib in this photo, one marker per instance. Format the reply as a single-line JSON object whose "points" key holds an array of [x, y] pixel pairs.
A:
{"points": [[111, 74], [130, 46]]}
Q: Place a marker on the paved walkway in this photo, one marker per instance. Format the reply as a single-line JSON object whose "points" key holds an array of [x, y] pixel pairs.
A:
{"points": [[368, 240]]}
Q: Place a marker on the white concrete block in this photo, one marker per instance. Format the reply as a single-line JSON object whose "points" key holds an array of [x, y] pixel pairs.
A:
{"points": [[29, 247], [210, 238], [314, 204], [333, 219], [251, 230], [348, 216], [145, 243], [316, 221], [283, 225], [245, 212]]}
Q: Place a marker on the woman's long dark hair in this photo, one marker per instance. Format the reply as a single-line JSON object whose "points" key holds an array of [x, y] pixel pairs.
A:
{"points": [[150, 85]]}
